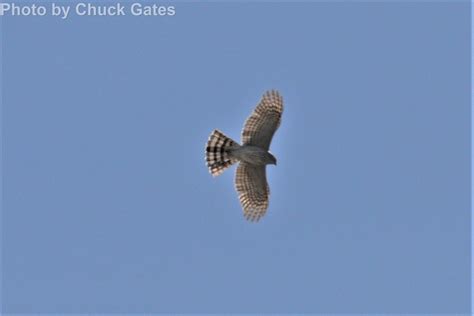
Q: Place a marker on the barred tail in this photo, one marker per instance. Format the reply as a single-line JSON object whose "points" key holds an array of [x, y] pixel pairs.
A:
{"points": [[217, 152]]}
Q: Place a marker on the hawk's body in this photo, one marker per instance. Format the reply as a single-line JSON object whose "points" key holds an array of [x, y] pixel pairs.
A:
{"points": [[253, 156]]}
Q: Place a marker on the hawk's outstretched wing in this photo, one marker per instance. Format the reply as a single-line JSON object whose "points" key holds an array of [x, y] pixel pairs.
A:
{"points": [[264, 121], [251, 185]]}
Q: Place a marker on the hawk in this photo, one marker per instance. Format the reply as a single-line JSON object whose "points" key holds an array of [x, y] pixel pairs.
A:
{"points": [[252, 156]]}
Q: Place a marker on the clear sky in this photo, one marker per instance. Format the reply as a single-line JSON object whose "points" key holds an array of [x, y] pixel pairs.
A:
{"points": [[108, 205]]}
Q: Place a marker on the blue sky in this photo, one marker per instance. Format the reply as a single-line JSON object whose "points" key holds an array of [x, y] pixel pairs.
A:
{"points": [[108, 205]]}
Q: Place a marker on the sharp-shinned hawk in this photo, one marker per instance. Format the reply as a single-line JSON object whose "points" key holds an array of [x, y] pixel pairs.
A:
{"points": [[253, 155]]}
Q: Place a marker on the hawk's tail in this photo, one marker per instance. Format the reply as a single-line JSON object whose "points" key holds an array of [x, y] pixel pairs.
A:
{"points": [[217, 152]]}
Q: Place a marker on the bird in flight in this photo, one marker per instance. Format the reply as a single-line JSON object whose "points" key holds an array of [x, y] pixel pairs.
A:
{"points": [[252, 156]]}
